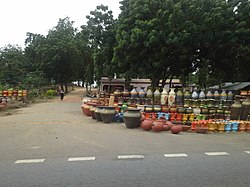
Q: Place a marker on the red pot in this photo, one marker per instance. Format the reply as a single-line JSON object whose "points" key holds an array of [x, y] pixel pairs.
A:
{"points": [[146, 124], [157, 126], [176, 129], [165, 127], [169, 124], [143, 117]]}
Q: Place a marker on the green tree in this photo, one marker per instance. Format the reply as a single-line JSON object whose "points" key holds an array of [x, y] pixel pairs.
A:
{"points": [[13, 65]]}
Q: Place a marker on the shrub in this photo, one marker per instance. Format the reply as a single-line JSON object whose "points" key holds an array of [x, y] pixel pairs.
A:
{"points": [[50, 93]]}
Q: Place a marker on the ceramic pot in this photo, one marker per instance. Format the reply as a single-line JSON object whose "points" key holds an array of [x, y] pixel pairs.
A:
{"points": [[146, 124], [245, 108], [86, 109], [248, 126], [149, 94], [216, 95], [157, 108], [242, 126], [98, 113], [157, 96], [221, 126], [236, 109], [164, 97], [176, 129], [179, 98], [107, 114], [157, 126], [148, 108], [171, 97], [169, 124], [133, 93], [202, 130], [235, 125], [202, 95], [132, 118], [228, 127], [141, 93], [186, 127], [209, 95], [223, 95], [187, 95], [230, 95], [195, 95], [92, 111]]}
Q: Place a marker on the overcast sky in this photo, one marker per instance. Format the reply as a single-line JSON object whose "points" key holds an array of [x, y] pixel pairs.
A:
{"points": [[17, 17]]}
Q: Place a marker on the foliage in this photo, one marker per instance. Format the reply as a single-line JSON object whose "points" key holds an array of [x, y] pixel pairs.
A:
{"points": [[50, 93]]}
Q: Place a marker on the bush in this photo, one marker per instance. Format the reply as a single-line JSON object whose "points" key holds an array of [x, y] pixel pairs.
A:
{"points": [[50, 93]]}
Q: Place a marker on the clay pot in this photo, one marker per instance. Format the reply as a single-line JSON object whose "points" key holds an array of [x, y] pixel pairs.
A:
{"points": [[157, 126], [202, 130], [98, 113], [132, 118], [176, 129], [169, 124], [242, 126], [143, 117], [146, 124], [107, 114], [165, 127], [186, 127]]}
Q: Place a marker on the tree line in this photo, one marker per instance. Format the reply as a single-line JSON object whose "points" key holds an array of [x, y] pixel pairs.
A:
{"points": [[204, 42]]}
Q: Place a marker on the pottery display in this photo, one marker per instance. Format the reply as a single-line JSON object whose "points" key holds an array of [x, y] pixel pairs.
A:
{"points": [[157, 96], [149, 94], [132, 118]]}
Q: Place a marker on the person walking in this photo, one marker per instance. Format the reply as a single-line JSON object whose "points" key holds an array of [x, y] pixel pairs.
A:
{"points": [[61, 95]]}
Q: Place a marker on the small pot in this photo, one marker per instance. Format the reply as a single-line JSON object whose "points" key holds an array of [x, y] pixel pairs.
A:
{"points": [[176, 129], [157, 126], [146, 124]]}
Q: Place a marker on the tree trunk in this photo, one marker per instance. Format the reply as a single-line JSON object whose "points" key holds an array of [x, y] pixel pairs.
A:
{"points": [[66, 87]]}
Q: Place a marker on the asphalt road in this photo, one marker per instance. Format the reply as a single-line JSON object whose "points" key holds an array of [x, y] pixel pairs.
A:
{"points": [[54, 144]]}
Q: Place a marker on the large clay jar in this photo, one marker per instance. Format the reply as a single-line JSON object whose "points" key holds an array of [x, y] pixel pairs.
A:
{"points": [[245, 108], [107, 114], [171, 97], [98, 113], [209, 95], [146, 124], [179, 98], [92, 110], [236, 109], [87, 109], [132, 118], [176, 129], [164, 96], [242, 126], [157, 126]]}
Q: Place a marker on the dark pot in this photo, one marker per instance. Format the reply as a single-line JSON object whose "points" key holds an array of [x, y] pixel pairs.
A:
{"points": [[176, 129], [98, 113], [107, 114], [132, 118]]}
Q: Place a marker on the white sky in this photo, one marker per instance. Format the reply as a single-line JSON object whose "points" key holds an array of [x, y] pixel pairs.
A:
{"points": [[17, 17]]}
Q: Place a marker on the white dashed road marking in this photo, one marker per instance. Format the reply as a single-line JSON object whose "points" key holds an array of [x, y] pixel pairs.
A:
{"points": [[216, 153], [175, 155], [28, 161], [130, 157], [81, 159], [248, 152]]}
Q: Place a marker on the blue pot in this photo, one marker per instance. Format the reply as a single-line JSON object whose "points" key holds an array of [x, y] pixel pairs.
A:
{"points": [[228, 127], [235, 126]]}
